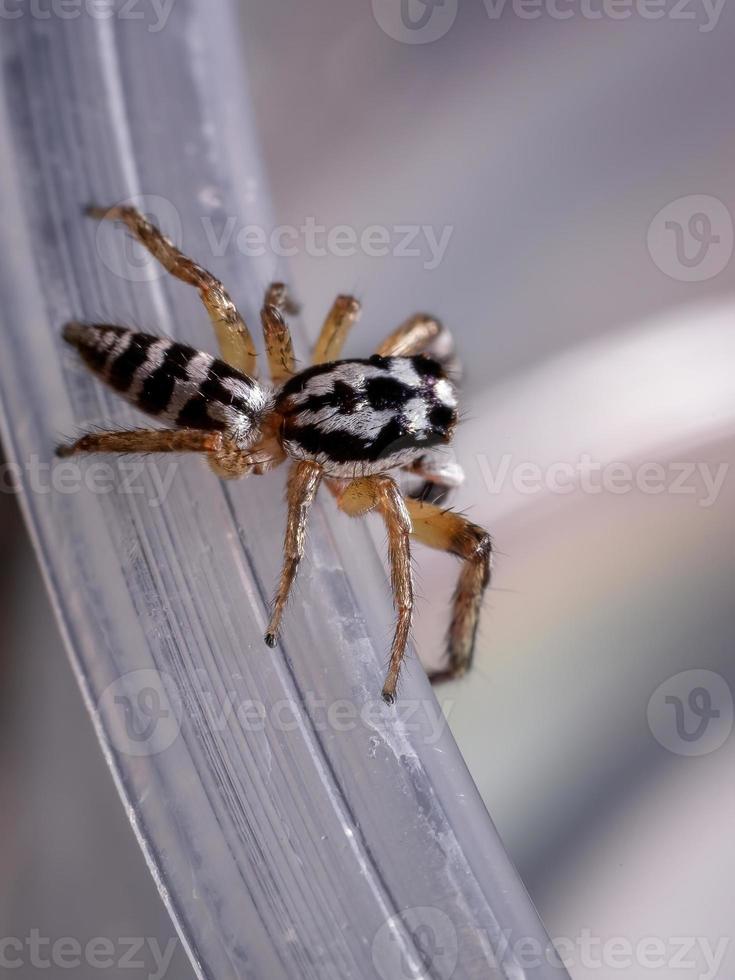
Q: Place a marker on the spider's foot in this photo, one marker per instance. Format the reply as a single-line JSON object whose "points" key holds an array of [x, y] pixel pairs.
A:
{"points": [[95, 211], [448, 674], [270, 639]]}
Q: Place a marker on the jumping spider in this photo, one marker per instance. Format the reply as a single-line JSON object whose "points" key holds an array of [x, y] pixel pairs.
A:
{"points": [[348, 423]]}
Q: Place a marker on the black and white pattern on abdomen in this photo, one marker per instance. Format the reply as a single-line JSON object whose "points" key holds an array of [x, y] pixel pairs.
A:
{"points": [[172, 381], [367, 416]]}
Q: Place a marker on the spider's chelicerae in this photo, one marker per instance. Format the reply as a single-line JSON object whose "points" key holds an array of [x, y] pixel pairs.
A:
{"points": [[347, 423]]}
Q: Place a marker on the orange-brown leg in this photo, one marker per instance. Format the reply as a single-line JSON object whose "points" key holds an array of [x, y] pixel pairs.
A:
{"points": [[412, 337], [343, 315], [381, 493], [226, 459], [144, 441], [278, 344], [303, 483], [235, 343], [449, 531]]}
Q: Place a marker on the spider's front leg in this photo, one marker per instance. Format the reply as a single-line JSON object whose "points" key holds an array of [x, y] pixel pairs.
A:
{"points": [[424, 334], [342, 317], [381, 492], [233, 337], [278, 343], [412, 337], [449, 531]]}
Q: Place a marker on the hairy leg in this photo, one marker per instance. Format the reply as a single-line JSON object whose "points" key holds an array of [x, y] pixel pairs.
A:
{"points": [[449, 531], [235, 343], [381, 492], [144, 441], [278, 344], [343, 315], [303, 483], [412, 337]]}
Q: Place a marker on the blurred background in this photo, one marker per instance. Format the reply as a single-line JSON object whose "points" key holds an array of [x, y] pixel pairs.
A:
{"points": [[554, 180]]}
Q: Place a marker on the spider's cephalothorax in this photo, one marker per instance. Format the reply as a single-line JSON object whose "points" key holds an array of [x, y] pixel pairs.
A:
{"points": [[349, 423], [360, 417]]}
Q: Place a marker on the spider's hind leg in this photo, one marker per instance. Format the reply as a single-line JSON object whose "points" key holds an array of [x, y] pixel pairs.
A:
{"points": [[235, 343], [143, 441], [225, 458]]}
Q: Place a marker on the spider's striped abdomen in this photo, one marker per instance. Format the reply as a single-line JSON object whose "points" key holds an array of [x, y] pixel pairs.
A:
{"points": [[367, 416], [172, 381]]}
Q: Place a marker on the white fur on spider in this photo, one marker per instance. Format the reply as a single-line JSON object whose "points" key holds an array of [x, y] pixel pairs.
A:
{"points": [[174, 382], [356, 373], [357, 418]]}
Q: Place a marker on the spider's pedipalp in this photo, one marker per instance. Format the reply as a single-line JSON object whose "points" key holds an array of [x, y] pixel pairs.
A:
{"points": [[432, 474]]}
